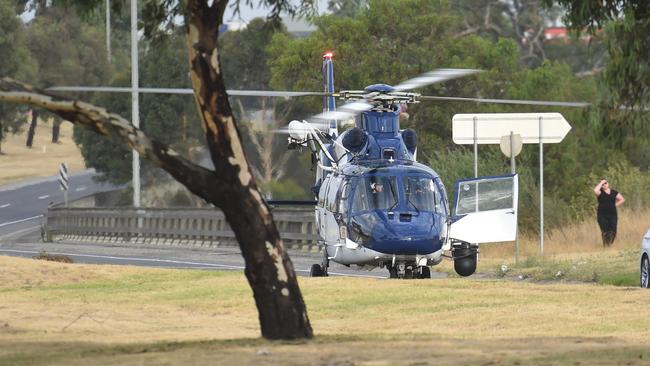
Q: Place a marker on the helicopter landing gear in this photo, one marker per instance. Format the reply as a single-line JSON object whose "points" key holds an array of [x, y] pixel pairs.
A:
{"points": [[320, 270], [423, 272], [316, 271], [408, 271]]}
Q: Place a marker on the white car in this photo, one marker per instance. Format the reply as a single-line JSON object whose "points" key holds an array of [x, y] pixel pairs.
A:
{"points": [[645, 261]]}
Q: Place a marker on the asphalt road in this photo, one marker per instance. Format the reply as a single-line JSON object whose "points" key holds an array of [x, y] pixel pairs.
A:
{"points": [[28, 244], [22, 205]]}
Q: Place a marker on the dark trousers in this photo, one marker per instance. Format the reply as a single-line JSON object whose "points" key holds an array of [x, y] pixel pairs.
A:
{"points": [[607, 225]]}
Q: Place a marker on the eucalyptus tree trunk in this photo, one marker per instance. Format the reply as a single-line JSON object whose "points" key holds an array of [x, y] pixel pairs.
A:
{"points": [[270, 273], [32, 129], [56, 129]]}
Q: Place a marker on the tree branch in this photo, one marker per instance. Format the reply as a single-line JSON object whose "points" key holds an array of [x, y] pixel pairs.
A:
{"points": [[196, 178]]}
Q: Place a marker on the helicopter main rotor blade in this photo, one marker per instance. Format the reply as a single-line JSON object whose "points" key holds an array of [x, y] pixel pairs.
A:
{"points": [[252, 93], [435, 76], [345, 111], [510, 101]]}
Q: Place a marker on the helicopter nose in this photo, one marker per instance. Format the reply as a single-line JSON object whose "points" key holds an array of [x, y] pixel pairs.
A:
{"points": [[420, 234]]}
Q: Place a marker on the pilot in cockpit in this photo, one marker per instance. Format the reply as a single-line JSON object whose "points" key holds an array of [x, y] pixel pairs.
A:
{"points": [[376, 187]]}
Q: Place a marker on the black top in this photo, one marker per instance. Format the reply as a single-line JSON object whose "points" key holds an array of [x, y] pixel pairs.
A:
{"points": [[607, 202]]}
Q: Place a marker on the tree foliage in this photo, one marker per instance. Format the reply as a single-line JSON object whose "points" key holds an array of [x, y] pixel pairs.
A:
{"points": [[15, 60], [625, 25]]}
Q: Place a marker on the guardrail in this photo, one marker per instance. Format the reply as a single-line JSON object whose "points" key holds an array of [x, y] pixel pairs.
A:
{"points": [[199, 226]]}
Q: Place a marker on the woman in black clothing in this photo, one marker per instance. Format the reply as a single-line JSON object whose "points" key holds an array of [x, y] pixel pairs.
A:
{"points": [[608, 200]]}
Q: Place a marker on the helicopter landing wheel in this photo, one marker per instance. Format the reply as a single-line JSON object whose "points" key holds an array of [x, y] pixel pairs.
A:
{"points": [[316, 271], [424, 272], [392, 272], [408, 274], [325, 264]]}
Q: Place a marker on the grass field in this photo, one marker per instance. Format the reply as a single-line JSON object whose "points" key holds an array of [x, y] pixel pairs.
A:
{"points": [[72, 314], [17, 162]]}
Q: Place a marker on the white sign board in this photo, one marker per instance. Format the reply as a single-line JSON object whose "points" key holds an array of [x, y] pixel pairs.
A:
{"points": [[490, 127]]}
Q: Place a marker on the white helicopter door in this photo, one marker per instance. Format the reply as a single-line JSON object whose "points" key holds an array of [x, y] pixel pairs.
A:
{"points": [[485, 209]]}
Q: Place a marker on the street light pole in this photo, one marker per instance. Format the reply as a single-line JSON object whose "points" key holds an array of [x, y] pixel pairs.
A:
{"points": [[108, 30], [135, 105]]}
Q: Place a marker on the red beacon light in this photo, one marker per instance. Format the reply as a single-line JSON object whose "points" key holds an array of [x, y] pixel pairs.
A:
{"points": [[328, 55]]}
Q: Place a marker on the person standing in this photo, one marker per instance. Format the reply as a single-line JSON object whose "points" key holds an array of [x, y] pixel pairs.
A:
{"points": [[608, 200]]}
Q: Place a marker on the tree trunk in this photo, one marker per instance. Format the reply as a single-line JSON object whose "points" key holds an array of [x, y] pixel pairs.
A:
{"points": [[32, 129], [56, 128], [270, 273]]}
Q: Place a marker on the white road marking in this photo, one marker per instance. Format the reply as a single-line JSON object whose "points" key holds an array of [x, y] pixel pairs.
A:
{"points": [[21, 220], [18, 233], [80, 189], [128, 258], [5, 205], [170, 261], [43, 197]]}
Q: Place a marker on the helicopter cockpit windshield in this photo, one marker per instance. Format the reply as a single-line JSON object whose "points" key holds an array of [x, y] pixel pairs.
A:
{"points": [[405, 193], [375, 193], [422, 194]]}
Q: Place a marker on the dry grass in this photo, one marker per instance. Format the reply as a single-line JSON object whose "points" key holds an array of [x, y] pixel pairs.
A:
{"points": [[19, 162], [56, 313], [578, 238]]}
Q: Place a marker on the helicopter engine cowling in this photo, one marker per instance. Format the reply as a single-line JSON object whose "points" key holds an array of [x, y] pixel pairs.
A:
{"points": [[410, 138], [355, 140]]}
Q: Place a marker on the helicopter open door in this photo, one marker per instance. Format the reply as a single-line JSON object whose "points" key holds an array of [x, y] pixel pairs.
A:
{"points": [[485, 209]]}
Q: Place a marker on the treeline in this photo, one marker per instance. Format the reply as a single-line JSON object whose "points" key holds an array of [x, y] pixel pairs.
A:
{"points": [[382, 41]]}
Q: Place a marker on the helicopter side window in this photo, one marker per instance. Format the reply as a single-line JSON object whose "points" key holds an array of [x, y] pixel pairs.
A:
{"points": [[323, 192], [330, 201], [343, 198], [422, 194]]}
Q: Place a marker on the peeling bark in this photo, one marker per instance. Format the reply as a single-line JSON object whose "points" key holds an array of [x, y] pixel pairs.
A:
{"points": [[282, 311]]}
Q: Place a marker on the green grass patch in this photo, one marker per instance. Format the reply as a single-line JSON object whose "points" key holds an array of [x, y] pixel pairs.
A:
{"points": [[608, 268]]}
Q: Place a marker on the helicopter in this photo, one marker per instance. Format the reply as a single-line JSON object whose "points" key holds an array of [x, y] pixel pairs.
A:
{"points": [[376, 205]]}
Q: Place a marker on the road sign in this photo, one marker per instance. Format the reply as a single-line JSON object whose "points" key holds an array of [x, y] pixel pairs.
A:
{"points": [[63, 177], [511, 142], [490, 127]]}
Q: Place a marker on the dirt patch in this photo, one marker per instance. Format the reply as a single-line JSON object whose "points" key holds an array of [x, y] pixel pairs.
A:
{"points": [[45, 256]]}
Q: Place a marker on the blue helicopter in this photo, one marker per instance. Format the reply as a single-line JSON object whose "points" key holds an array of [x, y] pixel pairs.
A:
{"points": [[377, 206]]}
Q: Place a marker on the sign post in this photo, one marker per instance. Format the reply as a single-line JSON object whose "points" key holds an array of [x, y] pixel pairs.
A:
{"points": [[511, 146], [63, 181], [534, 128]]}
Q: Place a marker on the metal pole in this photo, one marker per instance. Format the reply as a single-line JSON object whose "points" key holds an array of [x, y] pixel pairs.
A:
{"points": [[512, 170], [475, 149], [108, 30], [135, 106], [541, 188]]}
